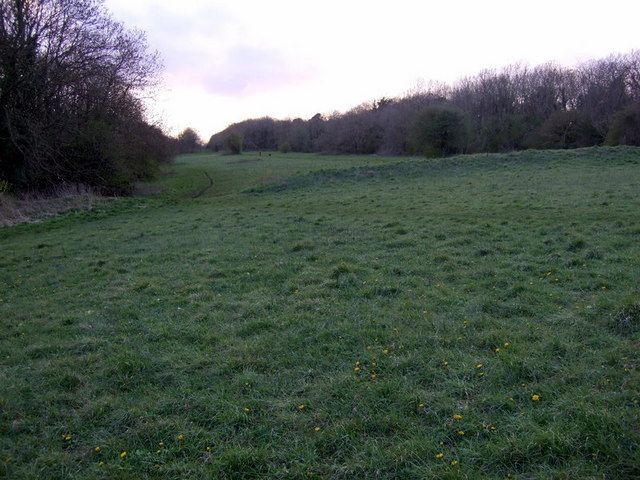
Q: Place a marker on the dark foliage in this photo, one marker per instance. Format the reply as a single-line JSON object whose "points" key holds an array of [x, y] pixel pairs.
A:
{"points": [[189, 141], [625, 127], [233, 144], [565, 129], [69, 110], [439, 131]]}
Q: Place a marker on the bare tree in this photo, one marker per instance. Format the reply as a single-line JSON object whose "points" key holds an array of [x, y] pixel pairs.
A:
{"points": [[547, 106], [70, 85]]}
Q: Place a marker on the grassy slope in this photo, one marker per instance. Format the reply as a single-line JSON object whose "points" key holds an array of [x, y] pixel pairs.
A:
{"points": [[215, 318]]}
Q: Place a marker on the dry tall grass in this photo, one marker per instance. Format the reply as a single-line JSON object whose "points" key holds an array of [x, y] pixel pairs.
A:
{"points": [[31, 207]]}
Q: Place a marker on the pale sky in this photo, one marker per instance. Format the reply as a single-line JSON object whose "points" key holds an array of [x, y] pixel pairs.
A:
{"points": [[229, 60]]}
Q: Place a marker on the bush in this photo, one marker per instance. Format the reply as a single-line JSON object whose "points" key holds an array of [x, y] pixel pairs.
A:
{"points": [[232, 144], [625, 127], [284, 147], [439, 131], [564, 129]]}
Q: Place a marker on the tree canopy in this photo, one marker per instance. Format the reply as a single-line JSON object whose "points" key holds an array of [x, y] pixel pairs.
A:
{"points": [[71, 80]]}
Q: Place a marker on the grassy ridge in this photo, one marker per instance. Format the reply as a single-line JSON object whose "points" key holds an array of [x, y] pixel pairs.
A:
{"points": [[381, 318]]}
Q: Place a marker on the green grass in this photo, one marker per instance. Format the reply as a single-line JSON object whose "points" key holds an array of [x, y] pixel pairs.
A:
{"points": [[216, 317]]}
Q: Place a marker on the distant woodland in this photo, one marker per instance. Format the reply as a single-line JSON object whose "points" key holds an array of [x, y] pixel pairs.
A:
{"points": [[518, 107]]}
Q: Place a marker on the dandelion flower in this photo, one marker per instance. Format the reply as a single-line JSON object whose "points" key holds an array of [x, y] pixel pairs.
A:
{"points": [[247, 409], [385, 351], [480, 365], [301, 407], [97, 450], [421, 405], [123, 455], [161, 444], [461, 433], [440, 456], [506, 344], [535, 398], [180, 437], [66, 438], [457, 416], [357, 369], [317, 429], [497, 350], [373, 376], [454, 462]]}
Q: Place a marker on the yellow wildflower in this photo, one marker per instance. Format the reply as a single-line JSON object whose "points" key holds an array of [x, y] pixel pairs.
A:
{"points": [[535, 398], [123, 455], [301, 407], [457, 416], [317, 429], [180, 437], [97, 449], [461, 433], [440, 456], [454, 462]]}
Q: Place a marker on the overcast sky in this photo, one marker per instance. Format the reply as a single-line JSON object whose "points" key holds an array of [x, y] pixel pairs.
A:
{"points": [[228, 60]]}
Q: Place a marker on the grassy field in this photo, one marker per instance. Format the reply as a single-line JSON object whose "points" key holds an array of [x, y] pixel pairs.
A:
{"points": [[297, 316]]}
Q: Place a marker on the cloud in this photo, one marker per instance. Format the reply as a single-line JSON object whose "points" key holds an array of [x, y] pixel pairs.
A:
{"points": [[227, 59], [209, 46], [248, 70]]}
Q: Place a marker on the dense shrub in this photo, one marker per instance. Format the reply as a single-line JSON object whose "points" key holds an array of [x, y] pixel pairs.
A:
{"points": [[625, 128], [564, 129], [284, 147], [439, 131], [233, 144]]}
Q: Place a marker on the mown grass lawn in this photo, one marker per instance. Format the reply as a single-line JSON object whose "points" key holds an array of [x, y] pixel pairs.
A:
{"points": [[332, 317]]}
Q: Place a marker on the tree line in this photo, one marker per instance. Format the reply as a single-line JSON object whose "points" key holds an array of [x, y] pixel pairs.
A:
{"points": [[518, 107], [71, 86]]}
